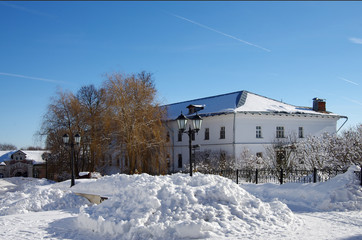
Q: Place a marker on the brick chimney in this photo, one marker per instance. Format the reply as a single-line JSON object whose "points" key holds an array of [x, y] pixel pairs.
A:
{"points": [[319, 105]]}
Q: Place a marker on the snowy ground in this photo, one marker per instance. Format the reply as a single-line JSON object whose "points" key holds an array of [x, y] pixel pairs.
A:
{"points": [[178, 207]]}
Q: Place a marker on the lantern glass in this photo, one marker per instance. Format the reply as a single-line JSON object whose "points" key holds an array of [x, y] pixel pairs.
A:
{"points": [[77, 138], [181, 122], [196, 122], [66, 138]]}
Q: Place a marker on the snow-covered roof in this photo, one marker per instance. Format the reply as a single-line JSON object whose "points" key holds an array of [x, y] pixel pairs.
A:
{"points": [[34, 155], [241, 101], [6, 155]]}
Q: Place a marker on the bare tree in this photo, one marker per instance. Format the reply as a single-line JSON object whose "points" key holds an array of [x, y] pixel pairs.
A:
{"points": [[62, 116], [94, 142], [314, 151], [7, 146], [247, 160], [209, 160], [281, 154], [346, 149]]}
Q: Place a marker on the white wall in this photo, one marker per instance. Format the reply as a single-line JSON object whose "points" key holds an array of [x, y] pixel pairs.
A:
{"points": [[246, 126], [245, 133]]}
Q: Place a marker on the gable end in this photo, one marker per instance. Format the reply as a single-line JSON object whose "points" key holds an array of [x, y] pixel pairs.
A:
{"points": [[241, 98]]}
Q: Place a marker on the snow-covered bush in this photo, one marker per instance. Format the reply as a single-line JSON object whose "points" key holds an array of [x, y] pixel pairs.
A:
{"points": [[209, 160], [331, 151], [327, 151]]}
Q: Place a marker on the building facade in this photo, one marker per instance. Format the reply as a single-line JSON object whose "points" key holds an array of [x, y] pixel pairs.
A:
{"points": [[243, 120], [22, 163]]}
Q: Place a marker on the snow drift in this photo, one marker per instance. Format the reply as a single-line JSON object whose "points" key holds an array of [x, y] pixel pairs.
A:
{"points": [[180, 207], [33, 195], [341, 193], [177, 206]]}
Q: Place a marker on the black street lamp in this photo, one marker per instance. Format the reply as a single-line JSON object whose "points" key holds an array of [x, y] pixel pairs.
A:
{"points": [[66, 142], [196, 126]]}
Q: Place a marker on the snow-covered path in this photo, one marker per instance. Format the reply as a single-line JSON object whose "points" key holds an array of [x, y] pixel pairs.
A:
{"points": [[61, 224], [57, 224], [330, 225]]}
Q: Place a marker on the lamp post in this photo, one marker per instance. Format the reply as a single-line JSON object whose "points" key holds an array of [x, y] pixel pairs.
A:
{"points": [[66, 142], [196, 126]]}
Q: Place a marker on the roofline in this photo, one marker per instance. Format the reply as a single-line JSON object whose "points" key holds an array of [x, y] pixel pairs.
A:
{"points": [[240, 92], [267, 113], [239, 99], [198, 99]]}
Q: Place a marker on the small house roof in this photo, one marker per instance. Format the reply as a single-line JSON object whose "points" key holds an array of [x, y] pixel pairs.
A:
{"points": [[34, 155]]}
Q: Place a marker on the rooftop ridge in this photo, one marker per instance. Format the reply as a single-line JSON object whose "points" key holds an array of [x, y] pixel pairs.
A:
{"points": [[198, 99]]}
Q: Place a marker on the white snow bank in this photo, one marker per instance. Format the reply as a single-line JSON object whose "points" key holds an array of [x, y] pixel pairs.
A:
{"points": [[341, 193], [32, 195], [176, 207]]}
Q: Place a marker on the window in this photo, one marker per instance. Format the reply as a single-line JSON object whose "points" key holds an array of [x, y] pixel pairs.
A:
{"points": [[258, 132], [280, 157], [168, 160], [300, 132], [168, 137], [110, 160], [222, 133], [179, 161], [207, 134], [222, 156], [179, 137], [280, 132], [259, 155]]}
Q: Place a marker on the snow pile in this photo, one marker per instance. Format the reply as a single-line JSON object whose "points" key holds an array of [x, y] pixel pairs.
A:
{"points": [[176, 207], [33, 195], [341, 193]]}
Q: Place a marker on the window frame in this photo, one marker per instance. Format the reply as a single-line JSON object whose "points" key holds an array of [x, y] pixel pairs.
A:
{"points": [[280, 132], [179, 160], [207, 134], [179, 136], [258, 132], [222, 132], [301, 132]]}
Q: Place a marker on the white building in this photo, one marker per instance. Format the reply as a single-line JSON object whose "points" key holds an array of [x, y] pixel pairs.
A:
{"points": [[22, 163], [243, 120]]}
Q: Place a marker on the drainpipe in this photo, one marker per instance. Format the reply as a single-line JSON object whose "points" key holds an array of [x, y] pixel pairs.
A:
{"points": [[343, 123], [234, 136]]}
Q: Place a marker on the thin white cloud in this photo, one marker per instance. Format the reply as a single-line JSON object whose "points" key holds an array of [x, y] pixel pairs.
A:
{"points": [[356, 40], [349, 81], [24, 9], [219, 32], [353, 100], [32, 78]]}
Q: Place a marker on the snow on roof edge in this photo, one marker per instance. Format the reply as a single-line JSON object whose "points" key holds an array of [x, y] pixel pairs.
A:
{"points": [[246, 102]]}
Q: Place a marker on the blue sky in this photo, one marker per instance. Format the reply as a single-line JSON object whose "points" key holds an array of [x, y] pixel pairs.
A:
{"points": [[289, 51]]}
